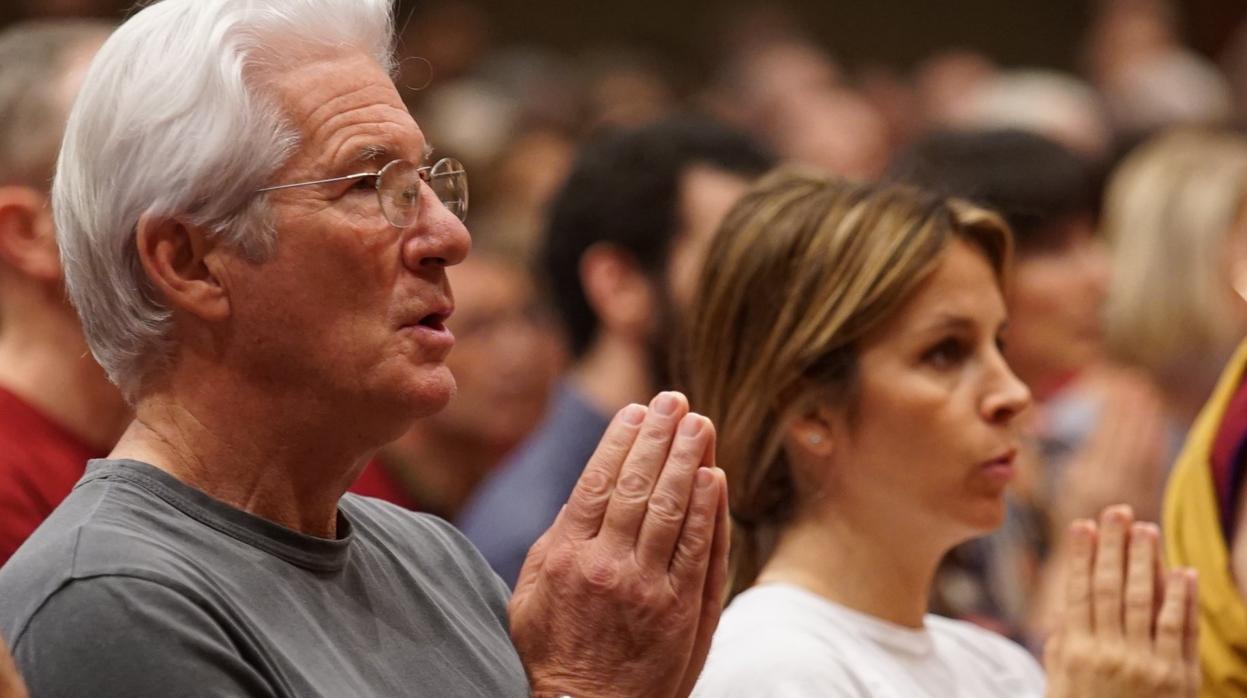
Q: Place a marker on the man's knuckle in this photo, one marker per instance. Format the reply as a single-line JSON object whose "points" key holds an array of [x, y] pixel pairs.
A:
{"points": [[633, 486], [656, 432], [666, 508], [601, 574], [594, 483]]}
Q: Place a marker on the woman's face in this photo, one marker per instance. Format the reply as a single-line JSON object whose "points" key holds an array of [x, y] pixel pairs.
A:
{"points": [[933, 443]]}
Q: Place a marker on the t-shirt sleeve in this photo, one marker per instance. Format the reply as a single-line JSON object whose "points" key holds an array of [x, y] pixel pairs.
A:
{"points": [[132, 638]]}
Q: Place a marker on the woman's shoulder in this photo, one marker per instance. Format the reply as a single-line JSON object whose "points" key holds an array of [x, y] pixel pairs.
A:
{"points": [[981, 646], [773, 641]]}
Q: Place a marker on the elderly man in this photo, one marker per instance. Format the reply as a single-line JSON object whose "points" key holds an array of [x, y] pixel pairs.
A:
{"points": [[57, 408], [258, 251]]}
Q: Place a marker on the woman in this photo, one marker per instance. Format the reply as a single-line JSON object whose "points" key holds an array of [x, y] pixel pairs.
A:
{"points": [[847, 344], [1177, 304]]}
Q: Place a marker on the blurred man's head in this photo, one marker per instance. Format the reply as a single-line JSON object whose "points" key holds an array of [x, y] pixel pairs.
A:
{"points": [[1049, 197], [628, 230], [41, 68]]}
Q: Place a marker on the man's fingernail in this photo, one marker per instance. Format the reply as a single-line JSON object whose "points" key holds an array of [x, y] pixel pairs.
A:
{"points": [[690, 426], [633, 414], [703, 480], [666, 404]]}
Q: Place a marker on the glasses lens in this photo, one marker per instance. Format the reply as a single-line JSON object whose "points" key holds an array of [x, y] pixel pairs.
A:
{"points": [[449, 181], [399, 190]]}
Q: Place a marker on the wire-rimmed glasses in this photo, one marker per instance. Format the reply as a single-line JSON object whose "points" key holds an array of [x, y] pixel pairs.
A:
{"points": [[398, 188]]}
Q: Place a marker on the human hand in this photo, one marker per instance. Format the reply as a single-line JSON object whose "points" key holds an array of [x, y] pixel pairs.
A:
{"points": [[622, 595], [11, 685], [1125, 632]]}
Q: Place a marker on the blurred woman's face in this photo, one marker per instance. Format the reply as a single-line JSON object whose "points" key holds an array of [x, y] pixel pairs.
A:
{"points": [[933, 443], [1057, 306]]}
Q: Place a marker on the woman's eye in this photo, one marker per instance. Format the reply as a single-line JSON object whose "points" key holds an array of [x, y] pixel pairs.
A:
{"points": [[946, 354]]}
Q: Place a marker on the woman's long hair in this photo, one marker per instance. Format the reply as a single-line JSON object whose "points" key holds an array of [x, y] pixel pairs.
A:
{"points": [[802, 268]]}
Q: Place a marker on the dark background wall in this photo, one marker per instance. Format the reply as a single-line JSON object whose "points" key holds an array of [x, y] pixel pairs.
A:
{"points": [[893, 32]]}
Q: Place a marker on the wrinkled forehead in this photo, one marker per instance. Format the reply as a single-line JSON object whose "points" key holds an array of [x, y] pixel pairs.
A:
{"points": [[344, 104]]}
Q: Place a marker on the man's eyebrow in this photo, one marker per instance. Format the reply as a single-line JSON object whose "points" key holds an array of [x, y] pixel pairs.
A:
{"points": [[378, 154], [373, 153]]}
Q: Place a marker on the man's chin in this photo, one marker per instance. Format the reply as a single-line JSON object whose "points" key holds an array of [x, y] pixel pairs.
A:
{"points": [[431, 392]]}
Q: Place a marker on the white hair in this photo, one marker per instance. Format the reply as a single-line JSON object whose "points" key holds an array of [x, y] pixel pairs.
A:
{"points": [[172, 121]]}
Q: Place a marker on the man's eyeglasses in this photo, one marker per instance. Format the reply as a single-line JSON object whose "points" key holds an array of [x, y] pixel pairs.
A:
{"points": [[398, 188]]}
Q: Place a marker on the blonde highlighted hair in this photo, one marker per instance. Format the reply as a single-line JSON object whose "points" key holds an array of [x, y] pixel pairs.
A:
{"points": [[1170, 208], [801, 270]]}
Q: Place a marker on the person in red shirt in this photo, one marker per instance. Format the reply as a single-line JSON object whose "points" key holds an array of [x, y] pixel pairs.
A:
{"points": [[57, 407]]}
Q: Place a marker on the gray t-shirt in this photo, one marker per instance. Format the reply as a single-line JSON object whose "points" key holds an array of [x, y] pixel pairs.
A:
{"points": [[139, 585]]}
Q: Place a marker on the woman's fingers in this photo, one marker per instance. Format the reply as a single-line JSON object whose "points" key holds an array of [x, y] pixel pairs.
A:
{"points": [[1141, 585], [1109, 572], [1077, 618], [1171, 622]]}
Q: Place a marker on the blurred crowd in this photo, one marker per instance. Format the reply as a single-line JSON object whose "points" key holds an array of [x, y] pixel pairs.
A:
{"points": [[597, 182]]}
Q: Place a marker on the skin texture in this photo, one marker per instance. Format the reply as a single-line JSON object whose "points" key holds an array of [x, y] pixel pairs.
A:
{"points": [[505, 360], [891, 490], [288, 374], [889, 507], [11, 685], [641, 550], [1129, 629]]}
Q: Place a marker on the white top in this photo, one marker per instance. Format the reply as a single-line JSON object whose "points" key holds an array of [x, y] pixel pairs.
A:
{"points": [[781, 641]]}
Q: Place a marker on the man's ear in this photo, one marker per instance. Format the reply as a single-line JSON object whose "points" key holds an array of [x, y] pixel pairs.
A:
{"points": [[28, 235], [179, 260], [618, 291]]}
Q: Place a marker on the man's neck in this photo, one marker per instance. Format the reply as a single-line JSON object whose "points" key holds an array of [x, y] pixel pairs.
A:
{"points": [[45, 361], [285, 458], [614, 373]]}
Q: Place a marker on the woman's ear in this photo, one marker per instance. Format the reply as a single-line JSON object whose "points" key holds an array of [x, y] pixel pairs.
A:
{"points": [[811, 434], [177, 258]]}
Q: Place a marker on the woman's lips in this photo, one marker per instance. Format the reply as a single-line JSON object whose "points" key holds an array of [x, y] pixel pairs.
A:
{"points": [[1001, 469]]}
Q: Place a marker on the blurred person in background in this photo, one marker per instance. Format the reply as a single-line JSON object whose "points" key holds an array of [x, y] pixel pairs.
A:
{"points": [[507, 355], [518, 187], [1150, 80], [1177, 211], [1177, 306], [1096, 431], [1205, 519], [1052, 104], [622, 250], [944, 82], [57, 408], [847, 340], [792, 94]]}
